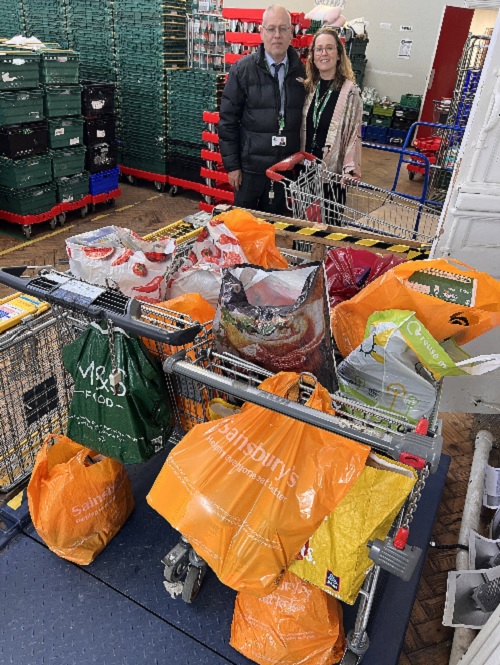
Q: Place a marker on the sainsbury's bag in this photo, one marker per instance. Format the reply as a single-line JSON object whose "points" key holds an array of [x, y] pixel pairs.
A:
{"points": [[335, 558], [235, 488], [295, 625], [451, 299], [78, 501]]}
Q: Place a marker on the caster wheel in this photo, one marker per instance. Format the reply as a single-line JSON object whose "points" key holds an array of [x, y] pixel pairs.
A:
{"points": [[53, 223], [411, 175], [350, 658], [160, 186], [84, 211], [62, 219], [27, 232], [174, 190], [92, 207], [111, 202], [192, 583], [131, 179], [177, 562]]}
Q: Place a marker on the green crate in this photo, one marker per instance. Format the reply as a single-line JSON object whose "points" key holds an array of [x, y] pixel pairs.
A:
{"points": [[29, 201], [411, 101], [21, 106], [68, 161], [383, 110], [62, 100], [66, 132], [442, 180], [143, 162], [380, 121], [21, 173], [18, 70], [72, 188], [58, 66]]}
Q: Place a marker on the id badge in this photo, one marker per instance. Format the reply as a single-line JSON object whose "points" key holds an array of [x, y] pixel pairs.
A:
{"points": [[279, 141]]}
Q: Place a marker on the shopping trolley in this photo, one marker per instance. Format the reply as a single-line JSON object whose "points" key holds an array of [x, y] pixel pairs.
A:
{"points": [[359, 205]]}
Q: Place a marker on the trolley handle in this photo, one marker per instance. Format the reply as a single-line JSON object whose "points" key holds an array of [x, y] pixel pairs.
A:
{"points": [[129, 321], [428, 448], [274, 172]]}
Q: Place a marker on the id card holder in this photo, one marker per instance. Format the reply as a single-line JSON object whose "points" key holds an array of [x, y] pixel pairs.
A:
{"points": [[279, 141]]}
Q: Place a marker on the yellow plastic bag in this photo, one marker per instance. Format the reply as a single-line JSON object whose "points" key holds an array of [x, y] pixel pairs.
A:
{"points": [[248, 490], [78, 500], [336, 558], [451, 299], [296, 625]]}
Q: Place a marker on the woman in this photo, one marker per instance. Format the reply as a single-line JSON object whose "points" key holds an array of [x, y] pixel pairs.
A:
{"points": [[331, 118]]}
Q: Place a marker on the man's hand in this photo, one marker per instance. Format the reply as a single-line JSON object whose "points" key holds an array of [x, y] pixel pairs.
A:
{"points": [[235, 179]]}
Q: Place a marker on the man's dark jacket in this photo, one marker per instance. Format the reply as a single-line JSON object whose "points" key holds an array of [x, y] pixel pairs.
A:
{"points": [[249, 113]]}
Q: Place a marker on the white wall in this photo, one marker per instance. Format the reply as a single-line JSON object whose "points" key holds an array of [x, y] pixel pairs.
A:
{"points": [[483, 19]]}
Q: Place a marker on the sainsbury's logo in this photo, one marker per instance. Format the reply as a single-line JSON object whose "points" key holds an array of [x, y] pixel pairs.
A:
{"points": [[258, 454]]}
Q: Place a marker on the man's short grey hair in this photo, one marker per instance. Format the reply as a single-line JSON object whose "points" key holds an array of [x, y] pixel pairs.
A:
{"points": [[274, 8]]}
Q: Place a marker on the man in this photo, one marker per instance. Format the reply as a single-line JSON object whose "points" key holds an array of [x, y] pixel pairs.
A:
{"points": [[261, 114]]}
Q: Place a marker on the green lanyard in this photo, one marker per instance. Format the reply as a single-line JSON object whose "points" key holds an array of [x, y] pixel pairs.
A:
{"points": [[319, 107]]}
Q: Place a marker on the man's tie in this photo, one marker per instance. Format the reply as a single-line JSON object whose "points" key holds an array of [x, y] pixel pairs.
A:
{"points": [[277, 67]]}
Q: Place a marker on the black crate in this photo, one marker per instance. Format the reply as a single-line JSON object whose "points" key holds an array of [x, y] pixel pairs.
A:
{"points": [[100, 130], [101, 157], [185, 167], [398, 123], [97, 98], [405, 113], [18, 141]]}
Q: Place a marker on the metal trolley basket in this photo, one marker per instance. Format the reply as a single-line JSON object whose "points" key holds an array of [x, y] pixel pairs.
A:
{"points": [[197, 374], [320, 196]]}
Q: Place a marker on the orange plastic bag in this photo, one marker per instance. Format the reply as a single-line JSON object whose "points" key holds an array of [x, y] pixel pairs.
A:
{"points": [[78, 500], [298, 624], [248, 490], [451, 299], [257, 238]]}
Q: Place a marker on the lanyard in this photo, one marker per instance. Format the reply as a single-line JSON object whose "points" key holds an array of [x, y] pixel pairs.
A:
{"points": [[319, 107], [281, 96]]}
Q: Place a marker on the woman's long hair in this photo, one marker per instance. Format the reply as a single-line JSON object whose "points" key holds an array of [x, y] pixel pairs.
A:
{"points": [[344, 67]]}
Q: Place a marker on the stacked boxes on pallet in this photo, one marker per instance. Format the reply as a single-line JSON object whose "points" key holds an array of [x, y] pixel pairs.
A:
{"points": [[405, 114], [150, 38], [46, 20], [379, 123], [59, 74], [12, 18], [389, 123], [356, 50], [91, 33], [189, 94], [25, 165]]}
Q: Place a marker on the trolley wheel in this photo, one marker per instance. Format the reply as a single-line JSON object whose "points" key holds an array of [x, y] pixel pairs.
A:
{"points": [[111, 202], [160, 186], [84, 211], [411, 174], [27, 231], [62, 219], [92, 207], [174, 190], [131, 179], [176, 562], [350, 658], [192, 583], [53, 223]]}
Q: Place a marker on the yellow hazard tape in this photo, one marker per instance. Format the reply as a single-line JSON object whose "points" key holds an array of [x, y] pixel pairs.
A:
{"points": [[16, 501], [32, 242], [307, 232]]}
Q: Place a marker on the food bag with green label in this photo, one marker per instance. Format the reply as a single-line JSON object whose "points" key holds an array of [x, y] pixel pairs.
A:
{"points": [[399, 364]]}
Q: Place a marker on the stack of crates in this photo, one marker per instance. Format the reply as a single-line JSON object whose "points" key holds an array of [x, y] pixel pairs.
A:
{"points": [[46, 20], [150, 38], [91, 34], [62, 108], [379, 123], [26, 185], [12, 18], [98, 105], [405, 114], [356, 50], [190, 93]]}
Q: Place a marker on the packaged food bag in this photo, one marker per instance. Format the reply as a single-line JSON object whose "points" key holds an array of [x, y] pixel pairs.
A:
{"points": [[335, 558], [451, 299], [230, 239], [348, 270], [248, 490], [78, 500], [277, 319], [130, 424], [137, 266], [295, 625], [399, 363]]}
